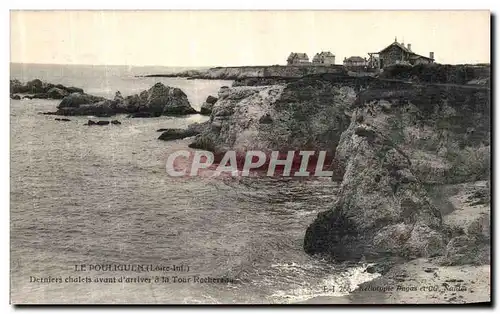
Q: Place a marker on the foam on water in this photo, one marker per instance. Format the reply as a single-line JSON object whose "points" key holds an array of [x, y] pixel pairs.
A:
{"points": [[334, 285]]}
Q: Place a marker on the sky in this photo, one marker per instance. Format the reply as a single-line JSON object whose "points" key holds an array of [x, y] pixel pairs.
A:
{"points": [[232, 38]]}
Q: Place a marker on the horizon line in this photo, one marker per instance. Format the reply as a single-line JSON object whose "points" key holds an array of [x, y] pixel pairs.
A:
{"points": [[199, 66], [100, 64]]}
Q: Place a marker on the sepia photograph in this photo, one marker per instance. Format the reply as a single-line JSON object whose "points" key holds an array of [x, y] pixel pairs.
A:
{"points": [[285, 157]]}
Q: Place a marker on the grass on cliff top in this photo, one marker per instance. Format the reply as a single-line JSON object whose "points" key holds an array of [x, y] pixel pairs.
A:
{"points": [[437, 73]]}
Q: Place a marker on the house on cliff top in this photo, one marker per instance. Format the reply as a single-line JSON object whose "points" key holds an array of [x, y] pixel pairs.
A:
{"points": [[324, 57], [355, 61], [398, 53], [297, 58]]}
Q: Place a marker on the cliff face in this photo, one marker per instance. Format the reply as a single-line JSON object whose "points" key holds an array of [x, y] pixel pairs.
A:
{"points": [[391, 140], [398, 141], [307, 114]]}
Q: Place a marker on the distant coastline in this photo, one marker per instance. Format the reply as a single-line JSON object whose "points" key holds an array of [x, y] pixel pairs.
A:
{"points": [[264, 71]]}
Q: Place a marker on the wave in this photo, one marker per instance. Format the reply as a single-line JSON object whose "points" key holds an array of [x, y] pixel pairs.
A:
{"points": [[335, 285]]}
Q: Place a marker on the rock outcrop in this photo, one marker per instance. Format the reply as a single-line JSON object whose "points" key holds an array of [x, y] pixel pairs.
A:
{"points": [[175, 134], [382, 207], [398, 142], [75, 100], [307, 114], [57, 93], [158, 100], [165, 100], [92, 122], [40, 89], [207, 106]]}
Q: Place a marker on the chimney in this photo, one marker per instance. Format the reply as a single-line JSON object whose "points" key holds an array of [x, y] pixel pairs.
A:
{"points": [[431, 55], [409, 47]]}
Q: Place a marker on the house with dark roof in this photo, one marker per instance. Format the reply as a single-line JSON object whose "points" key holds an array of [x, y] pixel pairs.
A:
{"points": [[324, 57], [355, 61], [297, 58], [398, 53]]}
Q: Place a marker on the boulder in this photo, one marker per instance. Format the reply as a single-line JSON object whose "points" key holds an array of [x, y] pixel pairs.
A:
{"points": [[17, 87], [90, 122], [211, 99], [175, 134], [35, 86], [100, 109], [102, 123], [223, 92], [115, 122], [57, 93], [165, 100], [15, 97], [75, 100], [206, 108]]}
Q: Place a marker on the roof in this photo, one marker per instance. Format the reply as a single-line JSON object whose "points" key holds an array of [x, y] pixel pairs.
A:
{"points": [[417, 56], [355, 59], [325, 54], [402, 46], [299, 55]]}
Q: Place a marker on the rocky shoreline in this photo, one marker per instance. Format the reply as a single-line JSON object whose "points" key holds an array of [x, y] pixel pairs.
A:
{"points": [[395, 142], [159, 100], [461, 276], [411, 152]]}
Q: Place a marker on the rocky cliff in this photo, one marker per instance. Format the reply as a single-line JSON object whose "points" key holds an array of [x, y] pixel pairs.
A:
{"points": [[392, 140], [304, 114], [398, 142]]}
